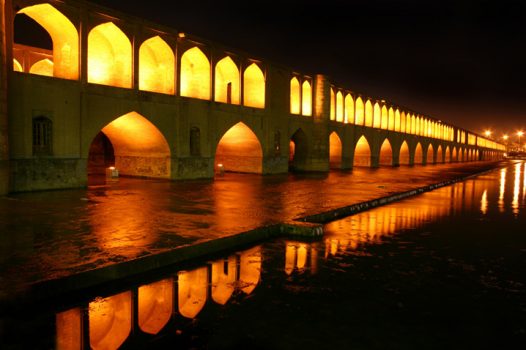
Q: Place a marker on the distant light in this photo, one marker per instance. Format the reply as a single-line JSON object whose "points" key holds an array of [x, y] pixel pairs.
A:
{"points": [[487, 133], [182, 35], [520, 133], [505, 137]]}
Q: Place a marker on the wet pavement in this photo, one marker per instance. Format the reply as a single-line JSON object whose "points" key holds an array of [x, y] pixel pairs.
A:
{"points": [[52, 234], [445, 269]]}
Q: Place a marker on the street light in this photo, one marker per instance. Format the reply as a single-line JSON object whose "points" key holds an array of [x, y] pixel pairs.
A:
{"points": [[487, 133]]}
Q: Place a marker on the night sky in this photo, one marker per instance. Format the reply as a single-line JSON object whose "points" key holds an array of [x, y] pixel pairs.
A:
{"points": [[459, 61]]}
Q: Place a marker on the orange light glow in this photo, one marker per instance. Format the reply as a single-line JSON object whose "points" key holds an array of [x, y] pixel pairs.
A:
{"points": [[17, 67], [109, 56], [368, 113], [42, 67], [359, 114], [254, 87], [64, 36], [339, 106], [404, 157], [290, 258], [377, 116], [195, 74], [155, 305], [440, 156], [239, 150], [430, 153], [223, 279], [384, 123], [419, 154], [227, 81], [349, 109], [333, 105], [335, 151], [295, 104], [391, 116], [69, 329], [386, 154], [403, 122], [306, 99], [110, 321], [156, 66], [362, 153], [193, 286], [250, 269]]}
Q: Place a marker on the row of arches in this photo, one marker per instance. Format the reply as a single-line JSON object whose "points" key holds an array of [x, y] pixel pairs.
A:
{"points": [[110, 57]]}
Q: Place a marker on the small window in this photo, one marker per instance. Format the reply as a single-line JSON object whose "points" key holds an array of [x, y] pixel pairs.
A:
{"points": [[195, 141], [42, 136]]}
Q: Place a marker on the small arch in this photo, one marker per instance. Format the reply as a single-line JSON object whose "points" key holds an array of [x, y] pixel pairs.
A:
{"points": [[17, 67], [386, 153], [360, 112], [335, 151], [377, 116], [368, 113], [298, 150], [397, 121], [109, 56], [239, 150], [454, 155], [227, 81], [440, 155], [306, 99], [362, 153], [349, 109], [404, 157], [403, 122], [43, 67], [391, 119], [430, 154], [339, 106], [295, 98], [448, 155], [419, 154], [333, 105], [156, 66], [254, 87], [195, 74], [385, 118]]}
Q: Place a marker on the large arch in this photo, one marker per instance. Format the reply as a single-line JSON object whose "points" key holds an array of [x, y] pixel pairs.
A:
{"points": [[430, 154], [298, 150], [404, 157], [227, 81], [419, 154], [254, 87], [109, 56], [362, 153], [386, 153], [135, 147], [156, 66], [335, 151], [64, 36], [440, 155], [239, 150], [195, 74]]}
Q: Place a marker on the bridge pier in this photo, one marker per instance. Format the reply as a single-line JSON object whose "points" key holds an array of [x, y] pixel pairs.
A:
{"points": [[4, 59]]}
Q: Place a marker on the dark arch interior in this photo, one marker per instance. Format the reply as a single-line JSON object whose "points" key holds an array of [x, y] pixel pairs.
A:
{"points": [[298, 151]]}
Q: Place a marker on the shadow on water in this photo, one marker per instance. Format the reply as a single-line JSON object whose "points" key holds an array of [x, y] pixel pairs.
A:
{"points": [[442, 270]]}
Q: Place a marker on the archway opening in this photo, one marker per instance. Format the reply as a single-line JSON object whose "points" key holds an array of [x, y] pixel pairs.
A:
{"points": [[227, 81], [448, 155], [386, 154], [440, 156], [454, 155], [133, 145], [298, 151], [335, 151], [254, 87], [239, 150], [156, 66], [419, 154], [404, 158], [430, 155], [195, 74], [362, 153]]}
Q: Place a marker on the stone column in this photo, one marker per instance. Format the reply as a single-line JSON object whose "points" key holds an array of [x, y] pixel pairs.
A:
{"points": [[4, 153], [319, 148]]}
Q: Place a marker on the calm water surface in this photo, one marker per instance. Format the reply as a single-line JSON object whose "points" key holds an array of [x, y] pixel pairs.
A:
{"points": [[446, 269]]}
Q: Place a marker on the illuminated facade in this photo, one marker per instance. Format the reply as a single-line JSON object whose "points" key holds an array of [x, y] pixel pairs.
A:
{"points": [[174, 106]]}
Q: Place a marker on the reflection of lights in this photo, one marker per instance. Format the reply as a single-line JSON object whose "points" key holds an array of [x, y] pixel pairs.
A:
{"points": [[223, 279], [502, 188], [516, 189], [484, 202], [110, 321], [155, 305], [193, 287]]}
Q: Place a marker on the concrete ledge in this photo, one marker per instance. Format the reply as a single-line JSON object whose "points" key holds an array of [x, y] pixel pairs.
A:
{"points": [[301, 229]]}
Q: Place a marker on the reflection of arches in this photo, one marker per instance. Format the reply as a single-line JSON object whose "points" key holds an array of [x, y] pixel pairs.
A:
{"points": [[156, 66], [335, 151], [109, 56], [430, 154], [42, 67], [419, 154], [110, 321], [386, 153], [223, 279], [239, 150], [306, 99], [295, 104], [298, 150], [254, 87], [249, 269], [362, 153], [195, 74], [226, 81], [64, 35], [155, 305], [404, 157], [193, 286], [17, 67], [440, 156], [359, 114], [140, 149]]}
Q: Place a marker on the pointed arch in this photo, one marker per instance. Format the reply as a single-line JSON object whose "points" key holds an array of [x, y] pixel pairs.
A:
{"points": [[109, 56], [377, 116], [404, 156], [43, 67], [360, 112], [64, 36], [397, 121], [391, 119], [385, 118], [295, 96], [454, 155], [368, 113], [362, 153], [386, 153], [413, 124], [17, 67], [306, 99], [226, 89], [239, 150], [195, 74], [333, 105], [298, 150], [430, 159], [349, 109], [254, 87], [223, 279], [419, 154], [440, 155], [447, 155], [339, 106], [335, 151], [156, 66]]}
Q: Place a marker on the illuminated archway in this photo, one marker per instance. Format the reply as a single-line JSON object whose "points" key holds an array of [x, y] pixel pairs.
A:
{"points": [[368, 113], [440, 155], [42, 67], [155, 305], [397, 121], [362, 153], [454, 155], [195, 74], [430, 154], [333, 105], [226, 81], [298, 150], [339, 107], [17, 67], [239, 150], [64, 36], [254, 87], [448, 155], [419, 154], [404, 157], [306, 99], [385, 118], [377, 116], [360, 112], [156, 66], [335, 151], [295, 99], [386, 154], [223, 279], [349, 109], [135, 147], [110, 321], [109, 56]]}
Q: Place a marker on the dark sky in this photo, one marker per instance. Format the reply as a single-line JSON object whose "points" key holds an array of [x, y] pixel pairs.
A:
{"points": [[459, 61]]}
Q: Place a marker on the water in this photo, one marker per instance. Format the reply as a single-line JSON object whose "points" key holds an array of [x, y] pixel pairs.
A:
{"points": [[442, 270]]}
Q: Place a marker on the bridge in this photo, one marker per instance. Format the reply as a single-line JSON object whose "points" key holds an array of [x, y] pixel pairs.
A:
{"points": [[112, 90]]}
